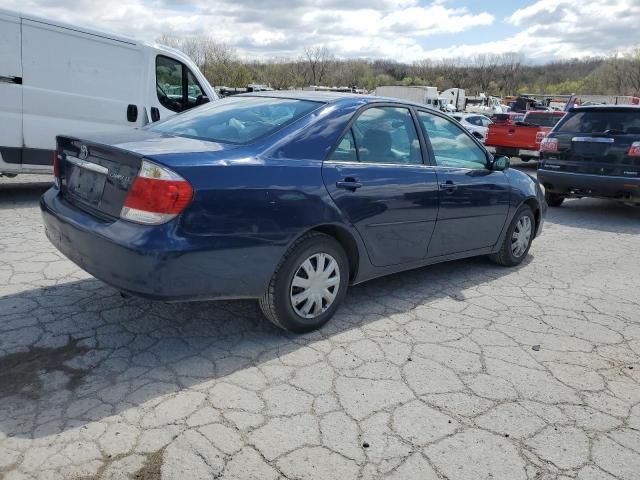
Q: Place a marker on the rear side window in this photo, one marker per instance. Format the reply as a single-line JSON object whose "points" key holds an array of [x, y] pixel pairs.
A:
{"points": [[598, 121], [542, 119], [387, 135], [346, 149], [236, 120]]}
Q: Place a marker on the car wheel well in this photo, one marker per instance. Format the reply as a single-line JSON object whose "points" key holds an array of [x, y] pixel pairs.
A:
{"points": [[346, 240], [536, 211]]}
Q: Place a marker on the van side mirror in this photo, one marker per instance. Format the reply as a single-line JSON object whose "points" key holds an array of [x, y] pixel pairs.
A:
{"points": [[499, 164], [201, 100]]}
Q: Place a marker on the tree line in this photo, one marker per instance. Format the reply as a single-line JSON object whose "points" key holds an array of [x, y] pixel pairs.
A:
{"points": [[493, 74]]}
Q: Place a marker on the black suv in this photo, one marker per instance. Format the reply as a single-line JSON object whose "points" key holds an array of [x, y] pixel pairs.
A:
{"points": [[593, 152]]}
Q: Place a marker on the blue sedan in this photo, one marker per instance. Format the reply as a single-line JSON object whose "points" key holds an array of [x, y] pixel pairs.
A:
{"points": [[285, 197]]}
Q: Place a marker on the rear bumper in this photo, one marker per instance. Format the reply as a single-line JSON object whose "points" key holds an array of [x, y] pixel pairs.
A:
{"points": [[584, 185], [157, 262], [512, 152]]}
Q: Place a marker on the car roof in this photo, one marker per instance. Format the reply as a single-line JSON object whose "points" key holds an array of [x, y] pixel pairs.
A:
{"points": [[329, 97], [622, 108]]}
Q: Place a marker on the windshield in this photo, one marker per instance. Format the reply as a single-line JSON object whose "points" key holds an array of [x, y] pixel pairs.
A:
{"points": [[599, 121], [542, 119], [236, 120]]}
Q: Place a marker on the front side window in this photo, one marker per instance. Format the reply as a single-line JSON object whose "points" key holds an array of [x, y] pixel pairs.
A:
{"points": [[176, 86], [452, 146], [387, 135], [169, 83], [237, 120]]}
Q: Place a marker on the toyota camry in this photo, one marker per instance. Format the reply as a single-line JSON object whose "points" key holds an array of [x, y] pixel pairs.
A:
{"points": [[285, 197]]}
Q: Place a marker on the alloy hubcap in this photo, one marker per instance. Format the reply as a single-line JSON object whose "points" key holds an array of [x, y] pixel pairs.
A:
{"points": [[315, 285], [521, 236]]}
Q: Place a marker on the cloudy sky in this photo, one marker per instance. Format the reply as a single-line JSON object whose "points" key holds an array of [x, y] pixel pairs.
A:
{"points": [[405, 30]]}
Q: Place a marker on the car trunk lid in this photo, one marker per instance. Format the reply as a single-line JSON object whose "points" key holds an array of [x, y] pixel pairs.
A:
{"points": [[96, 175]]}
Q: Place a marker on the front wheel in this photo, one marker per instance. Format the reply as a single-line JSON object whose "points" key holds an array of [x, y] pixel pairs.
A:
{"points": [[517, 241], [553, 199], [308, 285]]}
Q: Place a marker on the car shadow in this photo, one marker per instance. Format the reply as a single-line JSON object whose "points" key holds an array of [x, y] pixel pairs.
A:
{"points": [[78, 352], [596, 214], [15, 194]]}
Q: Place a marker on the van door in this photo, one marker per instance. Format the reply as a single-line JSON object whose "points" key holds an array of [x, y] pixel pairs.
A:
{"points": [[10, 93], [77, 82], [176, 88]]}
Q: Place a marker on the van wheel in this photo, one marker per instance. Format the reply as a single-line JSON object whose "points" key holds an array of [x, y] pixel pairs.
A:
{"points": [[308, 285], [517, 241], [553, 199]]}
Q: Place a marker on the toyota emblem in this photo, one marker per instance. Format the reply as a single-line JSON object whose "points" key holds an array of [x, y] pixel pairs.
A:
{"points": [[84, 152]]}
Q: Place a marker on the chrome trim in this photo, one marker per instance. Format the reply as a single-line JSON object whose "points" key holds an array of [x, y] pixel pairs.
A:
{"points": [[593, 139], [94, 167], [614, 177]]}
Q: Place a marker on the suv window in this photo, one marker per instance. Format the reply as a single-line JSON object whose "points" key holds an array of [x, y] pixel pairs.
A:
{"points": [[451, 145], [176, 86], [346, 149], [595, 121], [387, 135]]}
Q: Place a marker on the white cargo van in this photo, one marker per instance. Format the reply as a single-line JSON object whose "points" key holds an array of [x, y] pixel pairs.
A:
{"points": [[57, 79]]}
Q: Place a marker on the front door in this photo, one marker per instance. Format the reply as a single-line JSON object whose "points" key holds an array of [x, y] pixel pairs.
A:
{"points": [[474, 201], [378, 180]]}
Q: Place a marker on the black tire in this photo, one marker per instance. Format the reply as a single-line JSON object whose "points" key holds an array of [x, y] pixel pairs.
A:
{"points": [[505, 256], [553, 199], [525, 159], [276, 303]]}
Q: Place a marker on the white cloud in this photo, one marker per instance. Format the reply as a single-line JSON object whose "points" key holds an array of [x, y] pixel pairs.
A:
{"points": [[397, 29], [376, 28]]}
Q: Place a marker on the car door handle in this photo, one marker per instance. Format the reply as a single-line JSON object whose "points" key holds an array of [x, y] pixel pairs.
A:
{"points": [[449, 186], [349, 183]]}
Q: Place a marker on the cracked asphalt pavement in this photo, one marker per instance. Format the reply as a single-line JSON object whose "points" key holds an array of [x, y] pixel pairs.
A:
{"points": [[463, 370]]}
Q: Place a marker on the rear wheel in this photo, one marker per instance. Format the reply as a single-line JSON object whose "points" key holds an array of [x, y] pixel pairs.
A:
{"points": [[553, 199], [308, 285], [518, 239]]}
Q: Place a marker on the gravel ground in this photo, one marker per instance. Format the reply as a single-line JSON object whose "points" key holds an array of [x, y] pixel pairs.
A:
{"points": [[458, 371]]}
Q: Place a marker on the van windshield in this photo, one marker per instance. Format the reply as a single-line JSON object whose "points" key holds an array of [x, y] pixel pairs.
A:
{"points": [[600, 121], [236, 120]]}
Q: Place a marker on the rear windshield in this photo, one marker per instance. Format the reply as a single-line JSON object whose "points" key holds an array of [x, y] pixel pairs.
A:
{"points": [[236, 120], [542, 119], [598, 121]]}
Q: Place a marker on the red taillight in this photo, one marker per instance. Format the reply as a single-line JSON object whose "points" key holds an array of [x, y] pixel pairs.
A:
{"points": [[540, 136], [549, 145], [634, 150], [156, 196]]}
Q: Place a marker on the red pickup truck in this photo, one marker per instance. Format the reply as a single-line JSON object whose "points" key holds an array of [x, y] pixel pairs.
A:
{"points": [[521, 139]]}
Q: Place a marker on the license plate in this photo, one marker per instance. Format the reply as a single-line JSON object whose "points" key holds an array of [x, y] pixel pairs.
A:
{"points": [[85, 184]]}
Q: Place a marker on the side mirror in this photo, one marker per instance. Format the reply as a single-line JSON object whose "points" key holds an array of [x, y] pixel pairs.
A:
{"points": [[499, 164]]}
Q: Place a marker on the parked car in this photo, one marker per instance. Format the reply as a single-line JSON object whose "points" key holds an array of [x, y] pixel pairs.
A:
{"points": [[593, 152], [478, 125], [287, 197], [57, 78], [523, 138]]}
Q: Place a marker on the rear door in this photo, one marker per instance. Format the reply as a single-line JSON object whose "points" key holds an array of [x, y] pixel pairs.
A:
{"points": [[474, 201], [597, 142], [10, 90], [377, 178]]}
